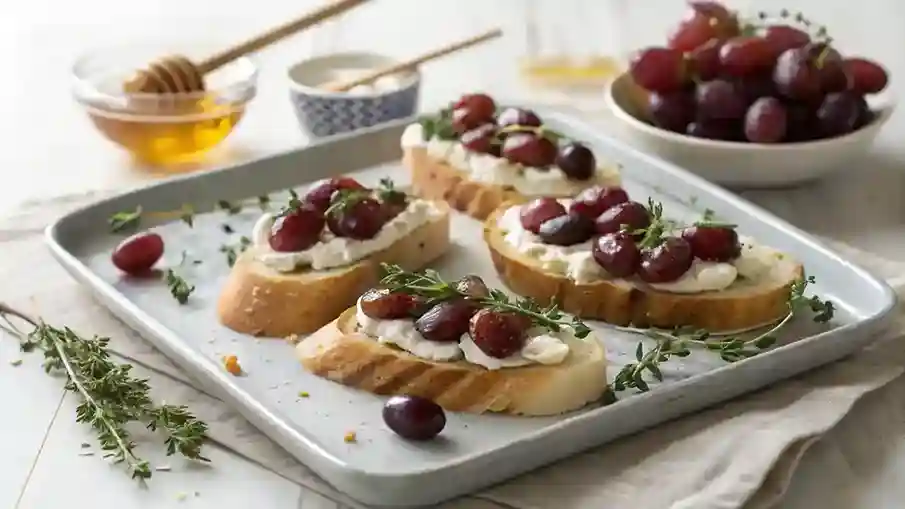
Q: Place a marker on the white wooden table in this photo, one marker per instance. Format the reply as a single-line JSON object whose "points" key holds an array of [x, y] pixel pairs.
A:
{"points": [[47, 149]]}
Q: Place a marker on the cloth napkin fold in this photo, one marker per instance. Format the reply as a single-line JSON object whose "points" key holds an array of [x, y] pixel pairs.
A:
{"points": [[740, 454]]}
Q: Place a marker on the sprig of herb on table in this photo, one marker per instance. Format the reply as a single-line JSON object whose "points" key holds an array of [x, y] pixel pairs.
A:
{"points": [[430, 286], [178, 286], [730, 348], [129, 220], [111, 396], [232, 251]]}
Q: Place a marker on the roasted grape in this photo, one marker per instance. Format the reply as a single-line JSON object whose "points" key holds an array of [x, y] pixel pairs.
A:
{"points": [[705, 60], [321, 193], [617, 253], [518, 117], [529, 149], [720, 100], [713, 243], [138, 253], [382, 304], [538, 211], [471, 111], [414, 417], [672, 111], [746, 56], [446, 321], [706, 21], [297, 230], [361, 219], [498, 334], [472, 287], [658, 69], [596, 200], [838, 114], [785, 37], [725, 130], [576, 161], [666, 262], [481, 139], [866, 76], [765, 121], [631, 214], [566, 230]]}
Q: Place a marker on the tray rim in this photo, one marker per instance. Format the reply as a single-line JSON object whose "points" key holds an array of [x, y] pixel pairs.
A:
{"points": [[241, 399]]}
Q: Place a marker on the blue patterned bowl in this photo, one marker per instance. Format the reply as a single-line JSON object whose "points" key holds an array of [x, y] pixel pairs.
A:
{"points": [[324, 113]]}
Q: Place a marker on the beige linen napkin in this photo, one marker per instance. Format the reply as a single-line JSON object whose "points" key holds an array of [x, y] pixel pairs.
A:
{"points": [[742, 452]]}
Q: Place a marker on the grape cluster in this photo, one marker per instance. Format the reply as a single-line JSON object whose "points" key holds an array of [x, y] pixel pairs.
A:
{"points": [[768, 81], [517, 135]]}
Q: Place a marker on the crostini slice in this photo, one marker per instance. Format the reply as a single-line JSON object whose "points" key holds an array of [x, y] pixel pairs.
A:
{"points": [[393, 356], [476, 158], [296, 291], [756, 293]]}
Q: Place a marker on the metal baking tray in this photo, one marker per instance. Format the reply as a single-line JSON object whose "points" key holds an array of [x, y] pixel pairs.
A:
{"points": [[474, 451]]}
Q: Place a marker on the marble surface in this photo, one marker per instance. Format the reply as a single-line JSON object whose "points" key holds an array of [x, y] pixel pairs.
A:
{"points": [[50, 151]]}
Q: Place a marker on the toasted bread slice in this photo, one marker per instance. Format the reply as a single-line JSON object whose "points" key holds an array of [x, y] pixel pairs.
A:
{"points": [[260, 301], [433, 179], [339, 353], [744, 305]]}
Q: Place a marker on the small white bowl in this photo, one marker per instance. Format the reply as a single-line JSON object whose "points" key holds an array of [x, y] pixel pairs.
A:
{"points": [[743, 165]]}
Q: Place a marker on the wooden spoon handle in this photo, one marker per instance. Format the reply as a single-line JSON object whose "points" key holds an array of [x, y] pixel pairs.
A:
{"points": [[415, 62], [277, 33]]}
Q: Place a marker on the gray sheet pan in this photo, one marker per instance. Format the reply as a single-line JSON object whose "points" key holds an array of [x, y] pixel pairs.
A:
{"points": [[474, 451]]}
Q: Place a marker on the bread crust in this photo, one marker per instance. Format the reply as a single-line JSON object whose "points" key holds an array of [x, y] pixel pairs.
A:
{"points": [[341, 354], [744, 306], [260, 301], [436, 180]]}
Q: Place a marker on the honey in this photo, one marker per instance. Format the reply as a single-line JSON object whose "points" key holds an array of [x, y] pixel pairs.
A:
{"points": [[569, 71], [169, 134]]}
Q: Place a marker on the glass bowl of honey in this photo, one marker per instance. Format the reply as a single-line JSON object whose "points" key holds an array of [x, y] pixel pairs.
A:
{"points": [[162, 129]]}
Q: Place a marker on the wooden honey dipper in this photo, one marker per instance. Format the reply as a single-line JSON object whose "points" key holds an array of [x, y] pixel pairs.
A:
{"points": [[413, 62], [177, 74]]}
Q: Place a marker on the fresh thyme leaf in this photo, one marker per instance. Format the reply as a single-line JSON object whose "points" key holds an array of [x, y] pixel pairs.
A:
{"points": [[178, 286], [439, 125], [292, 205], [187, 215], [227, 228], [229, 207], [343, 199], [387, 192], [127, 220], [709, 214], [232, 251], [111, 396]]}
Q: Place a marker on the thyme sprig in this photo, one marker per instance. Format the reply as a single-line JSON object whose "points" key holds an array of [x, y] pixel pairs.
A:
{"points": [[438, 125], [111, 396], [731, 348], [387, 192], [660, 227], [179, 288], [127, 221], [431, 286], [232, 251]]}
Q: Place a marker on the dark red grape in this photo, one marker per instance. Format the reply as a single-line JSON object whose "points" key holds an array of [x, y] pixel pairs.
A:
{"points": [[630, 214], [138, 253], [617, 254], [593, 201], [566, 230], [838, 114], [536, 212], [658, 69], [529, 149], [360, 219], [801, 122], [472, 287], [320, 194], [830, 67], [577, 161], [297, 230], [705, 60], [446, 321], [867, 76], [797, 77], [382, 304], [480, 102], [480, 139], [666, 262], [413, 417], [706, 21], [671, 111], [518, 117], [713, 243], [724, 130], [765, 121], [785, 37], [864, 115], [746, 56], [471, 111], [720, 100], [498, 334]]}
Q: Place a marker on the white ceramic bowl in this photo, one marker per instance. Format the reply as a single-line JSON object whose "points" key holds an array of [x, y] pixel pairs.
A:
{"points": [[743, 165]]}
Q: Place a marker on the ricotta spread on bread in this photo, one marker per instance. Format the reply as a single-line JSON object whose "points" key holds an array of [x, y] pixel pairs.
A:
{"points": [[540, 347], [333, 251], [494, 170], [577, 262]]}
